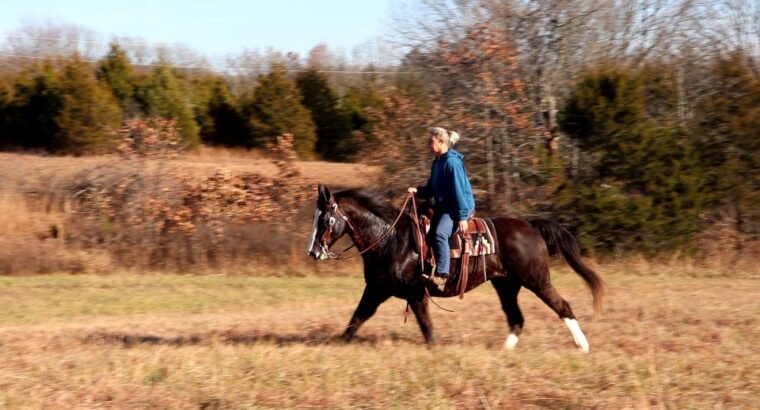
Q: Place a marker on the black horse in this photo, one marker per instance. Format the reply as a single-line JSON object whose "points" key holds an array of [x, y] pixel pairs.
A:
{"points": [[392, 261]]}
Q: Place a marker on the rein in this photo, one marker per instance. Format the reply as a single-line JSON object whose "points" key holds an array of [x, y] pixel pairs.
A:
{"points": [[340, 255], [418, 233]]}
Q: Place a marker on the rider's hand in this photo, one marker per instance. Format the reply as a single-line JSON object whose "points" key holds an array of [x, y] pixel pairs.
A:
{"points": [[463, 226], [412, 190]]}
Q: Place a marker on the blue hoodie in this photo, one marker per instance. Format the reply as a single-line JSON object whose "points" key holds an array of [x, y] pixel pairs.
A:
{"points": [[450, 186]]}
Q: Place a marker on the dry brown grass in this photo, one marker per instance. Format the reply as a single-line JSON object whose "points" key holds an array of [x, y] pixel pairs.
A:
{"points": [[166, 341], [28, 170], [207, 159], [36, 198], [27, 244], [728, 264]]}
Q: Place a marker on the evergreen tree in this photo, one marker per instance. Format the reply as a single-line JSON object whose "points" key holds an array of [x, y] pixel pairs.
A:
{"points": [[223, 123], [727, 122], [355, 103], [602, 116], [116, 70], [643, 191], [89, 115], [275, 109], [335, 140], [33, 109], [62, 110], [163, 94], [5, 99]]}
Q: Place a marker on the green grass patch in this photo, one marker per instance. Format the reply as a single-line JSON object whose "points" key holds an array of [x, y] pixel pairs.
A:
{"points": [[61, 297]]}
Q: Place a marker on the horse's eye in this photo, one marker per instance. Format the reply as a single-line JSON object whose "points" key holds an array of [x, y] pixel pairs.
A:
{"points": [[332, 220]]}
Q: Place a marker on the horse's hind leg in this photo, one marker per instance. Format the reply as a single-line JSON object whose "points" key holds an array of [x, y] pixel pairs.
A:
{"points": [[547, 293], [507, 288], [371, 299]]}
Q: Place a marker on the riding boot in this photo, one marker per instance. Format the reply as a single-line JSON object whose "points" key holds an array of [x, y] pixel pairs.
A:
{"points": [[440, 282]]}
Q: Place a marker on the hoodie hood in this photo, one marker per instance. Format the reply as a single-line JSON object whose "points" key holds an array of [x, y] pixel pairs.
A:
{"points": [[453, 153]]}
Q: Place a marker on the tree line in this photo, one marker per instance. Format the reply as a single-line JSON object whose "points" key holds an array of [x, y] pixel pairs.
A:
{"points": [[70, 105], [627, 121]]}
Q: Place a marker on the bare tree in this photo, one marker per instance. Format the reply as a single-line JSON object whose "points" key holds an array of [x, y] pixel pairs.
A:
{"points": [[34, 42], [556, 40], [54, 40], [734, 25], [472, 72]]}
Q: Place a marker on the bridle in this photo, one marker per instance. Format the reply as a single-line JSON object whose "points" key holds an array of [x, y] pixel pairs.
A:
{"points": [[339, 212], [328, 232]]}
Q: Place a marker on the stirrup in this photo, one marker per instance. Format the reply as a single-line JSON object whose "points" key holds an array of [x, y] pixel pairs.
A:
{"points": [[440, 282], [428, 271], [431, 277], [437, 281]]}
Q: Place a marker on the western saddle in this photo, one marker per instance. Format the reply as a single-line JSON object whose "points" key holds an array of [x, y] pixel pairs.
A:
{"points": [[479, 241]]}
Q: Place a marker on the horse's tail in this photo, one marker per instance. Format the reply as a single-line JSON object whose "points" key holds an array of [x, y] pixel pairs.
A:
{"points": [[559, 239]]}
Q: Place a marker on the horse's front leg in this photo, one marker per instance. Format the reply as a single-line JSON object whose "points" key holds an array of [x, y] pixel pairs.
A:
{"points": [[420, 309], [371, 299]]}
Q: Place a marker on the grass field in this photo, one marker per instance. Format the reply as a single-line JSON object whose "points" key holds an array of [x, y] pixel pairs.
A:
{"points": [[182, 341], [28, 170]]}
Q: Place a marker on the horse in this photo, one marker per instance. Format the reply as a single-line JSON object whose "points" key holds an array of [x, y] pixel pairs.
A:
{"points": [[385, 238]]}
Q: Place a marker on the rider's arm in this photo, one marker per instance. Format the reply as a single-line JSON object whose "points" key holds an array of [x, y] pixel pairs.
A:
{"points": [[424, 191]]}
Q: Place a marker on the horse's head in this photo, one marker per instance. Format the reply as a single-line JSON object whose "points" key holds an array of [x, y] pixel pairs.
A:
{"points": [[329, 225]]}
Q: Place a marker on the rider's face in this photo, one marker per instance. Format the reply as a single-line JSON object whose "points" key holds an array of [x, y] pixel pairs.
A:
{"points": [[435, 145]]}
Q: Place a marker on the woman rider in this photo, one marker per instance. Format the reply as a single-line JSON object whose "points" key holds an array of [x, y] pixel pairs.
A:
{"points": [[450, 188]]}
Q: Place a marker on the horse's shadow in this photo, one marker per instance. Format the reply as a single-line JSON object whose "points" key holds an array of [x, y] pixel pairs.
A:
{"points": [[324, 335]]}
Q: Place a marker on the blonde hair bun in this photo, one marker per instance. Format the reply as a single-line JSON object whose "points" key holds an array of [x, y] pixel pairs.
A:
{"points": [[453, 137]]}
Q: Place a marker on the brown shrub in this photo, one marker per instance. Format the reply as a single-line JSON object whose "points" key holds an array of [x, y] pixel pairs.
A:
{"points": [[152, 215]]}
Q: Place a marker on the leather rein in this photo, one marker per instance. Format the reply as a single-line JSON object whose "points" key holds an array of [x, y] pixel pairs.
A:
{"points": [[340, 255]]}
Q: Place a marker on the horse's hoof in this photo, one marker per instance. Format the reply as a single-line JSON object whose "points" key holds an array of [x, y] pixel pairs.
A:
{"points": [[511, 341]]}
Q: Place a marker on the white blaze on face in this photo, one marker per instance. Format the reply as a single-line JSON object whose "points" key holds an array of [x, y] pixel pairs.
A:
{"points": [[578, 336], [314, 224]]}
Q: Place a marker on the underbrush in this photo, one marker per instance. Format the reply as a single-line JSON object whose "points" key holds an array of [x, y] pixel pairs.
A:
{"points": [[148, 208], [141, 210], [42, 236]]}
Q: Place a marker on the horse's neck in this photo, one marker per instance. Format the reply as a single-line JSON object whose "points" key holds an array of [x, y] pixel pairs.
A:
{"points": [[369, 228]]}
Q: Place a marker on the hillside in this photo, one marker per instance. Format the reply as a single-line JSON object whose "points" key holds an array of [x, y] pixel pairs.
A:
{"points": [[212, 210], [19, 170]]}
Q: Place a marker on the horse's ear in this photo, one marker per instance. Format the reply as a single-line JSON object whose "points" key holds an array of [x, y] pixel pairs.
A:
{"points": [[324, 195]]}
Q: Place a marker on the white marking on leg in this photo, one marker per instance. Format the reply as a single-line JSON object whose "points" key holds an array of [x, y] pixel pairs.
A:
{"points": [[317, 213], [578, 336], [511, 341]]}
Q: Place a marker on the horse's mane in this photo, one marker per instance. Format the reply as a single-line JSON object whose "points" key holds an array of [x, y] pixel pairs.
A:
{"points": [[373, 200]]}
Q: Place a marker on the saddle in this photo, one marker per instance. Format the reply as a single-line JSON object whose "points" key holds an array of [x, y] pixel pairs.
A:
{"points": [[478, 241]]}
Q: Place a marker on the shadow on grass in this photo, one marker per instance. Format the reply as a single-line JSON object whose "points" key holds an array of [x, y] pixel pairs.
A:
{"points": [[324, 335]]}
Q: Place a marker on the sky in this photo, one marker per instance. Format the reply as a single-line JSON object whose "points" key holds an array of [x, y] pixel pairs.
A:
{"points": [[214, 28]]}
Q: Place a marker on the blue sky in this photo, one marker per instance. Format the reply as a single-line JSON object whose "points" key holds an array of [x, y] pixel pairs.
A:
{"points": [[214, 28]]}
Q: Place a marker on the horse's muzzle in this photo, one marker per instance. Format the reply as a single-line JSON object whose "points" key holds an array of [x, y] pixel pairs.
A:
{"points": [[318, 253]]}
